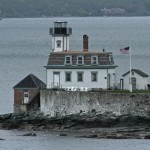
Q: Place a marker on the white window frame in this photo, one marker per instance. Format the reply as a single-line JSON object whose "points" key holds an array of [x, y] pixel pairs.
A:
{"points": [[95, 78], [78, 78], [68, 62], [80, 62], [94, 60], [26, 97], [68, 73]]}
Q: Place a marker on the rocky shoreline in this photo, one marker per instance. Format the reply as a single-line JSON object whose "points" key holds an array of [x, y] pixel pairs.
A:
{"points": [[108, 125]]}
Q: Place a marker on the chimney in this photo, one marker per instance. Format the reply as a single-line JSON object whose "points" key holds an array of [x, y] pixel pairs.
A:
{"points": [[85, 43]]}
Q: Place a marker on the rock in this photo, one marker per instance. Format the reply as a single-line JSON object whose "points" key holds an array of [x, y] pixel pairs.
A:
{"points": [[124, 124], [147, 137], [9, 125], [115, 136], [88, 136], [62, 134], [138, 137], [2, 139], [5, 116], [92, 136], [30, 134]]}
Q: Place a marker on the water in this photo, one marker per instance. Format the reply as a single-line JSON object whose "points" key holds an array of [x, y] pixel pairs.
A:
{"points": [[26, 43], [46, 141], [24, 48]]}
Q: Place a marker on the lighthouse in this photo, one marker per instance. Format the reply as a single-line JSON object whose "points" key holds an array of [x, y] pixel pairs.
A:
{"points": [[60, 36]]}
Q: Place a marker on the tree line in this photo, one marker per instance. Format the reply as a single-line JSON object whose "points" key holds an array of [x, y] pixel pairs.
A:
{"points": [[51, 8]]}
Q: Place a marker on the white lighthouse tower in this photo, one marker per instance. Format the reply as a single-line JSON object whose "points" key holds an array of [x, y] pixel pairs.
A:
{"points": [[60, 36]]}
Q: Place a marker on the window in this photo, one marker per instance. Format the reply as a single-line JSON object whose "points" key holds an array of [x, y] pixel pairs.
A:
{"points": [[68, 60], [93, 76], [80, 76], [94, 60], [68, 76], [26, 97], [58, 43], [80, 60]]}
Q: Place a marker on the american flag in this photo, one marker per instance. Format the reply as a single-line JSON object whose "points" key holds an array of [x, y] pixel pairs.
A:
{"points": [[125, 50]]}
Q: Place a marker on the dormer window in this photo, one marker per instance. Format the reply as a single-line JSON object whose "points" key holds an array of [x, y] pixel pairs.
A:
{"points": [[68, 60], [80, 60], [58, 42], [94, 60]]}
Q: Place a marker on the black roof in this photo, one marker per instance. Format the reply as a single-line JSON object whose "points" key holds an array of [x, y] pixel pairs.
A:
{"points": [[139, 72], [31, 81]]}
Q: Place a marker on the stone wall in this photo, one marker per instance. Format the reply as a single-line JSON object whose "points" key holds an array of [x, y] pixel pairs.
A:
{"points": [[61, 103]]}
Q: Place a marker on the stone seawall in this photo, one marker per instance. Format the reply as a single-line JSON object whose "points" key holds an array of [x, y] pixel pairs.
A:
{"points": [[62, 103]]}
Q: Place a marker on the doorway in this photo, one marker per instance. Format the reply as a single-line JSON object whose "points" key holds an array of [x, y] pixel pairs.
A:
{"points": [[133, 81], [56, 79]]}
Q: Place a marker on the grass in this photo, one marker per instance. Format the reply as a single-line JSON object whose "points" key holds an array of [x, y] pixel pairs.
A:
{"points": [[127, 91]]}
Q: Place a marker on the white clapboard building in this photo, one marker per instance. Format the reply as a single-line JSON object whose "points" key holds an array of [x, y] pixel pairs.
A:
{"points": [[139, 80], [77, 69]]}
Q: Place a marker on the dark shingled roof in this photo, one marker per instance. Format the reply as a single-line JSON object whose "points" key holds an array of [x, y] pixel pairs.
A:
{"points": [[31, 81], [139, 72], [58, 58]]}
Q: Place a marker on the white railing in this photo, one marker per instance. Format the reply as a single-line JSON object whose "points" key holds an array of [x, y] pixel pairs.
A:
{"points": [[76, 89]]}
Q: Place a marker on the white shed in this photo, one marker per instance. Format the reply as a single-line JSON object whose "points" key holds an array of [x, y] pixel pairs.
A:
{"points": [[139, 80]]}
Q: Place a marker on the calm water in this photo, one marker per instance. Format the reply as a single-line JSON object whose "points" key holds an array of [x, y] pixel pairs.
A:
{"points": [[51, 141], [26, 43], [24, 48]]}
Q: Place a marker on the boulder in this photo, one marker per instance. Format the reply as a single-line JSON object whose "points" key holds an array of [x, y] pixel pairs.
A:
{"points": [[88, 136], [62, 134], [30, 134], [147, 137], [2, 139]]}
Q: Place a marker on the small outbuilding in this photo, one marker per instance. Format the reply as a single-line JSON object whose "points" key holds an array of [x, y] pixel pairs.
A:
{"points": [[27, 94], [139, 80]]}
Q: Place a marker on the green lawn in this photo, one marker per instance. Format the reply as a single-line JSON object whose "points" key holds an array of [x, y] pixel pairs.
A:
{"points": [[127, 91]]}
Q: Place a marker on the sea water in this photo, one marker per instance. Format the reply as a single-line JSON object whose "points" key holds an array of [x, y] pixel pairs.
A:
{"points": [[24, 47], [25, 44], [14, 140]]}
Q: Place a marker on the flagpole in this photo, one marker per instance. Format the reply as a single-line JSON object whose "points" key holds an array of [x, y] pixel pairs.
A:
{"points": [[130, 86]]}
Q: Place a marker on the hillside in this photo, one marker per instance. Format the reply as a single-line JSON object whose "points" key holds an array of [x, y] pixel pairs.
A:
{"points": [[50, 8]]}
